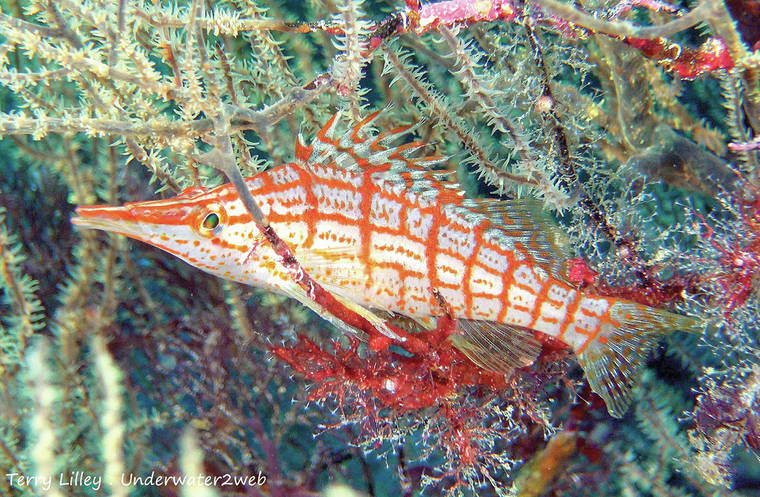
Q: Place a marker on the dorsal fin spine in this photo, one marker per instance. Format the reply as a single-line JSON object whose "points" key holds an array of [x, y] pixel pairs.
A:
{"points": [[407, 148], [383, 138], [364, 123], [426, 162], [328, 130], [303, 152]]}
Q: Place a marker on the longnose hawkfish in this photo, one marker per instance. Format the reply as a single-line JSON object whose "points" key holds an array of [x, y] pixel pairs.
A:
{"points": [[384, 234]]}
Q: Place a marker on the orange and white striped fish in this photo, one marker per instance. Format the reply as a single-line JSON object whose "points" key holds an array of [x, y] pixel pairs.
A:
{"points": [[376, 228]]}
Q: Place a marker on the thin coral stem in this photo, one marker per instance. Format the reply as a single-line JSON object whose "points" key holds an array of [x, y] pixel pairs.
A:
{"points": [[261, 120], [617, 28], [438, 111]]}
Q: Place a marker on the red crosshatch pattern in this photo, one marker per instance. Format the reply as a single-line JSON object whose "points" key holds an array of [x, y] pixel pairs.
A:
{"points": [[376, 228]]}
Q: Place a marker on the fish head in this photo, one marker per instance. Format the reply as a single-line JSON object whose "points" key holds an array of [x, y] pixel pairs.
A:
{"points": [[209, 229]]}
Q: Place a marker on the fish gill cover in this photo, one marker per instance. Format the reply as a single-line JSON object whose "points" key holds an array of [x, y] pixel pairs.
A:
{"points": [[614, 145]]}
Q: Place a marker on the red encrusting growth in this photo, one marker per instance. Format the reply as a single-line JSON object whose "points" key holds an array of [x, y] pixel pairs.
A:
{"points": [[425, 17], [384, 384], [686, 62], [395, 380], [579, 273], [648, 290], [739, 263]]}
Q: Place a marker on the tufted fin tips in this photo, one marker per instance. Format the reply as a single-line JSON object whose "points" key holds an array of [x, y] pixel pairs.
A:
{"points": [[361, 147], [303, 151]]}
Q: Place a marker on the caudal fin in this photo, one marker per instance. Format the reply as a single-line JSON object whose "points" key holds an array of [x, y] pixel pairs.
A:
{"points": [[613, 360]]}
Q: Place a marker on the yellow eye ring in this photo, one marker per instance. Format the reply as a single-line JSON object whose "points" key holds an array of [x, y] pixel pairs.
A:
{"points": [[211, 220]]}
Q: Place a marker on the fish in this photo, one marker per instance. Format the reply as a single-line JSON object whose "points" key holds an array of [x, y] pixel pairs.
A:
{"points": [[376, 226]]}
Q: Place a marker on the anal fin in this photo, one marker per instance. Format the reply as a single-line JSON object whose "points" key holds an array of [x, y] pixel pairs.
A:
{"points": [[496, 347]]}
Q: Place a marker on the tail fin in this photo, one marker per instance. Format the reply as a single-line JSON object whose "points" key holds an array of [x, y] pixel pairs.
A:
{"points": [[613, 359]]}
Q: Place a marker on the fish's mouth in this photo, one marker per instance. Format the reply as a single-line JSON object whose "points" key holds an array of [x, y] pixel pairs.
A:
{"points": [[114, 219]]}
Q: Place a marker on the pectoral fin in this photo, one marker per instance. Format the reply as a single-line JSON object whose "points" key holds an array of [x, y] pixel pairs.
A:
{"points": [[496, 347]]}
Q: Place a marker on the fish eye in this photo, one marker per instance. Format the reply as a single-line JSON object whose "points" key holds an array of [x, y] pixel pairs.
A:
{"points": [[211, 221]]}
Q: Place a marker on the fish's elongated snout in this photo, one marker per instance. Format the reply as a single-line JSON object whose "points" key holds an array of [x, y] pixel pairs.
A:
{"points": [[140, 220], [114, 219]]}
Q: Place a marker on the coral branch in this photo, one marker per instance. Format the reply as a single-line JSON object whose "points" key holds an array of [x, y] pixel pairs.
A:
{"points": [[19, 289], [568, 13], [687, 63]]}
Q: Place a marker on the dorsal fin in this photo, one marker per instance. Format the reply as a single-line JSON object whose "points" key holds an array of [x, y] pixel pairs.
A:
{"points": [[522, 222], [526, 222], [360, 147]]}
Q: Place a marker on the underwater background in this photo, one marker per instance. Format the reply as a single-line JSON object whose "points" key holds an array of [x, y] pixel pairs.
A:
{"points": [[635, 123]]}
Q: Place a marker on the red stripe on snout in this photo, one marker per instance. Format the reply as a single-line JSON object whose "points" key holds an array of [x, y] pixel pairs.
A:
{"points": [[160, 212]]}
